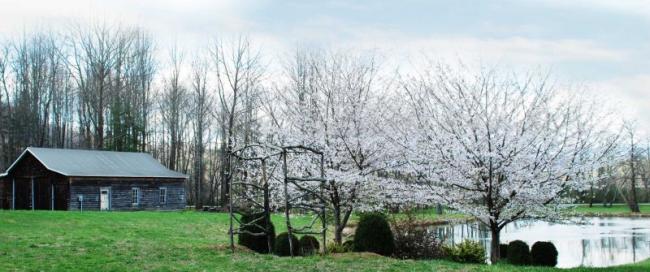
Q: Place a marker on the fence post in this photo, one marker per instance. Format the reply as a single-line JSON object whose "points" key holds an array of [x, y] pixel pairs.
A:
{"points": [[13, 193], [286, 200], [33, 193]]}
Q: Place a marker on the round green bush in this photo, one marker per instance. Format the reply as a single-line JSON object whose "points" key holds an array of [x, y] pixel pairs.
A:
{"points": [[543, 254], [257, 243], [282, 247], [373, 234], [503, 251], [309, 245], [416, 243], [348, 246], [333, 247], [467, 251], [518, 253]]}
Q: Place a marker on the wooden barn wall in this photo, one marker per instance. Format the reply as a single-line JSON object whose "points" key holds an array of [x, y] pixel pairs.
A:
{"points": [[121, 193], [45, 181], [29, 166], [4, 199]]}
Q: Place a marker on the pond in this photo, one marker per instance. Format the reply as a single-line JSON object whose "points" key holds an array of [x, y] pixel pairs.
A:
{"points": [[590, 242]]}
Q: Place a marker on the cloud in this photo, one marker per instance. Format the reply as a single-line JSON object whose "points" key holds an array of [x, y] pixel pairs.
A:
{"points": [[518, 49], [193, 23], [631, 94], [164, 18], [634, 7]]}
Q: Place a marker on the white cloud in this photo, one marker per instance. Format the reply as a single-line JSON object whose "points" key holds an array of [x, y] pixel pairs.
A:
{"points": [[518, 52], [164, 18], [636, 7], [193, 23], [517, 49], [631, 94]]}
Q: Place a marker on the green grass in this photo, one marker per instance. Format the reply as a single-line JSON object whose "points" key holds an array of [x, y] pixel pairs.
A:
{"points": [[175, 241], [616, 209]]}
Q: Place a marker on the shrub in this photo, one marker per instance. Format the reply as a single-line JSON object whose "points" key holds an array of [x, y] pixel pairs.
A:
{"points": [[336, 248], [518, 253], [309, 245], [543, 254], [348, 246], [503, 251], [282, 247], [259, 243], [373, 234], [466, 252], [414, 242]]}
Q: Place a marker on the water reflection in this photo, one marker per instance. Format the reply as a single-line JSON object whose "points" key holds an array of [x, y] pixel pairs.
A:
{"points": [[594, 242]]}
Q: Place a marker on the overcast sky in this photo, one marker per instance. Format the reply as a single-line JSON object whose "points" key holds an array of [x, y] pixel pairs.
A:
{"points": [[601, 44]]}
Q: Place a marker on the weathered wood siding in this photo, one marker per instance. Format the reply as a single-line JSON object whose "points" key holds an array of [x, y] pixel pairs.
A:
{"points": [[121, 197], [4, 201], [29, 167], [47, 184], [41, 189]]}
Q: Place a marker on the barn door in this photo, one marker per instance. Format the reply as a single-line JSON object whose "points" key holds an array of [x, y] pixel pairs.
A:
{"points": [[105, 198]]}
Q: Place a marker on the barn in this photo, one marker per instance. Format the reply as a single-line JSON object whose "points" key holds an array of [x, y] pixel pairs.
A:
{"points": [[70, 179]]}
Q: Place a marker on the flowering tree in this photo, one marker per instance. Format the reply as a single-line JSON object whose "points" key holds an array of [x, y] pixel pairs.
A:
{"points": [[331, 103], [500, 148]]}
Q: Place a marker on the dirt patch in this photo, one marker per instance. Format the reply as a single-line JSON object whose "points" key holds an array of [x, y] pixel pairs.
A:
{"points": [[362, 255], [351, 228], [226, 247]]}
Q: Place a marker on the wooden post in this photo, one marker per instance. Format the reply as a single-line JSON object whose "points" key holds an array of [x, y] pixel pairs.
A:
{"points": [[286, 200], [33, 193], [230, 210], [267, 208], [13, 193], [322, 197], [52, 198]]}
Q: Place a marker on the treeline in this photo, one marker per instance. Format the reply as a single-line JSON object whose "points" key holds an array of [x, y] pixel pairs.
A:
{"points": [[106, 87], [112, 88], [628, 179]]}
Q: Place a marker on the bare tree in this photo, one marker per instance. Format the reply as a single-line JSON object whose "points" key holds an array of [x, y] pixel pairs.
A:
{"points": [[5, 107], [174, 104], [633, 163], [237, 71], [201, 113], [93, 59]]}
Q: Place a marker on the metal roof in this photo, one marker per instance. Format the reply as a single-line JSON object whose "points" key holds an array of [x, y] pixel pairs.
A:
{"points": [[91, 163]]}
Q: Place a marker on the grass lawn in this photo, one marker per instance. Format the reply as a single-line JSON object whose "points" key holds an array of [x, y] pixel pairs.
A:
{"points": [[616, 209], [173, 241]]}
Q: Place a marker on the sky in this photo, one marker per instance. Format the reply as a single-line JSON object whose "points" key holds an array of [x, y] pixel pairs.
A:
{"points": [[600, 45]]}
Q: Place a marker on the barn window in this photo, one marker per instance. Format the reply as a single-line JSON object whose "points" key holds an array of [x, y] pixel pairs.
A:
{"points": [[135, 196], [163, 195]]}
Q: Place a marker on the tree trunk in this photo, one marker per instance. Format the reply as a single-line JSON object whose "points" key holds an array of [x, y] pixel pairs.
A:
{"points": [[338, 235], [591, 195], [494, 244], [633, 203], [439, 209], [225, 176]]}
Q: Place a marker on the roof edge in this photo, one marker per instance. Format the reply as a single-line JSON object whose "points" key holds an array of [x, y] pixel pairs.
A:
{"points": [[11, 167], [125, 176], [28, 150]]}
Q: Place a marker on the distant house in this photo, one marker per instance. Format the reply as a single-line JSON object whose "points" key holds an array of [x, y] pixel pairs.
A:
{"points": [[68, 179]]}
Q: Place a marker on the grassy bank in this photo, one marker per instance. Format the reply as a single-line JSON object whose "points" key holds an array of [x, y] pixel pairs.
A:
{"points": [[166, 241], [615, 210]]}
